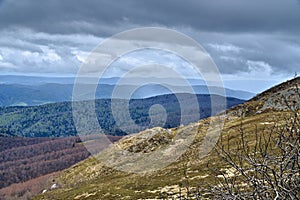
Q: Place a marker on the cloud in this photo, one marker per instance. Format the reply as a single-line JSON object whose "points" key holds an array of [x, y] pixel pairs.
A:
{"points": [[48, 55], [104, 18], [278, 49], [30, 55], [230, 51], [157, 58], [259, 68], [46, 60], [226, 48], [56, 36], [31, 52], [80, 55]]}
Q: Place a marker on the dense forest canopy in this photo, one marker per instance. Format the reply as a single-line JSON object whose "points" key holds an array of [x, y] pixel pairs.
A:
{"points": [[56, 120]]}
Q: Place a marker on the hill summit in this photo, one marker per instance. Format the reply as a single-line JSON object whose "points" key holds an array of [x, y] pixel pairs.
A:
{"points": [[282, 97]]}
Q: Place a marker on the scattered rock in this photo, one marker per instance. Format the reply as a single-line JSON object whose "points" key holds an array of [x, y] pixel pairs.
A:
{"points": [[54, 186]]}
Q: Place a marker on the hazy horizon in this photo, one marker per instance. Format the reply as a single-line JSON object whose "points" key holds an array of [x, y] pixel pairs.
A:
{"points": [[252, 85]]}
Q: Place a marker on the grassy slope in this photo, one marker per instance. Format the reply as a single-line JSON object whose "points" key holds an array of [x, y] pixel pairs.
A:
{"points": [[93, 180]]}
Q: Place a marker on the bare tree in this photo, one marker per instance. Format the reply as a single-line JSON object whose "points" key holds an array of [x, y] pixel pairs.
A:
{"points": [[267, 168]]}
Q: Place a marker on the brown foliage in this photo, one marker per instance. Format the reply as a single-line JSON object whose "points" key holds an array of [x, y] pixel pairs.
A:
{"points": [[22, 159]]}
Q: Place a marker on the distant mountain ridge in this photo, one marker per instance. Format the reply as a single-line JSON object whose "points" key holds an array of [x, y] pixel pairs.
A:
{"points": [[30, 95], [39, 80]]}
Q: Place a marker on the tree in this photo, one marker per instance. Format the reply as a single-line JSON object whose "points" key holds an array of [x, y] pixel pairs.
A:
{"points": [[269, 168]]}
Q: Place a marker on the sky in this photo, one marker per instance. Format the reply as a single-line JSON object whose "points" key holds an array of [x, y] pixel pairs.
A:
{"points": [[255, 44]]}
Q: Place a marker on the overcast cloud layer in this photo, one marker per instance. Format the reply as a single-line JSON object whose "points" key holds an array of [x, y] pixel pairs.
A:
{"points": [[255, 39]]}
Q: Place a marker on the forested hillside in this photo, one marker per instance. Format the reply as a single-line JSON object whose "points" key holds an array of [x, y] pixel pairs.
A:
{"points": [[56, 120], [22, 159]]}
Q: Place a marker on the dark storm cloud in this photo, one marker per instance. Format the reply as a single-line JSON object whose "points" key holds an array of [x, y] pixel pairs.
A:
{"points": [[241, 35], [107, 17], [232, 52]]}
